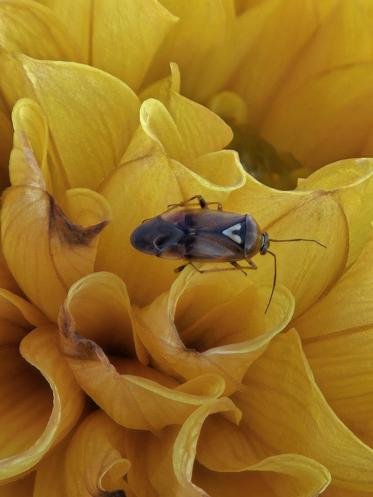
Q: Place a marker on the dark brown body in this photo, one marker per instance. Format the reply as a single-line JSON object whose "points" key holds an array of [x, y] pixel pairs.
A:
{"points": [[196, 234]]}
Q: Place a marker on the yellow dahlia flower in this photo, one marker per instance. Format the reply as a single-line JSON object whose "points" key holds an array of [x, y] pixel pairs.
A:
{"points": [[119, 377]]}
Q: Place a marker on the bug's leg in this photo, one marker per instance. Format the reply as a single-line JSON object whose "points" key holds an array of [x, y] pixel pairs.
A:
{"points": [[238, 267], [251, 264], [219, 206], [201, 202]]}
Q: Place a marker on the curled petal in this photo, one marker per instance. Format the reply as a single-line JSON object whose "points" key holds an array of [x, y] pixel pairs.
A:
{"points": [[100, 307], [94, 117], [282, 406], [169, 124], [136, 397], [46, 259], [33, 29], [94, 463], [282, 475], [168, 465], [227, 459], [29, 402], [211, 324]]}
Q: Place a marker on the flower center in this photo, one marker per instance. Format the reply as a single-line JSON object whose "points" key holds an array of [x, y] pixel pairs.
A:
{"points": [[260, 159]]}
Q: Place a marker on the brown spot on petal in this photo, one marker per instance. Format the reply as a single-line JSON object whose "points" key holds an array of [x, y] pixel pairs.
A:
{"points": [[69, 232]]}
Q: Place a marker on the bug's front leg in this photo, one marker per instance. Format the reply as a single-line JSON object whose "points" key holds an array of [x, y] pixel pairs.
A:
{"points": [[201, 202]]}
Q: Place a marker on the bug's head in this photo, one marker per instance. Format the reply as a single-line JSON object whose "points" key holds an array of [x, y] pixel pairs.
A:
{"points": [[157, 237]]}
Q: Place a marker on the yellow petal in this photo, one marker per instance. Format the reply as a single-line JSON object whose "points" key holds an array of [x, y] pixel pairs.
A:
{"points": [[50, 472], [349, 304], [281, 397], [351, 182], [17, 317], [126, 36], [101, 310], [46, 259], [211, 324], [94, 463], [19, 488], [282, 30], [167, 468], [33, 29], [283, 475], [133, 399], [31, 424], [342, 368], [90, 129], [191, 41], [118, 37], [332, 80], [305, 268], [162, 182], [184, 129], [278, 476]]}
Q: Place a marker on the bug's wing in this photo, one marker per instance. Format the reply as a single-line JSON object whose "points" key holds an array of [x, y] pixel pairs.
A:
{"points": [[206, 246]]}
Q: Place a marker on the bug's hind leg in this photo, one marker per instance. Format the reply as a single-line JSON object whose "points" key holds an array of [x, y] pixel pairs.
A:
{"points": [[201, 202]]}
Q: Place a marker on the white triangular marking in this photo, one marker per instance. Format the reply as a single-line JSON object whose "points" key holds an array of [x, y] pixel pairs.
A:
{"points": [[229, 232]]}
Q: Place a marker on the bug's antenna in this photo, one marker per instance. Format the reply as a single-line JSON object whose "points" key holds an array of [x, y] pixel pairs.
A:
{"points": [[274, 280], [299, 240]]}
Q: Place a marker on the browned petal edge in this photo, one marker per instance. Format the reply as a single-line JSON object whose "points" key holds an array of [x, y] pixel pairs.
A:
{"points": [[75, 345], [69, 232]]}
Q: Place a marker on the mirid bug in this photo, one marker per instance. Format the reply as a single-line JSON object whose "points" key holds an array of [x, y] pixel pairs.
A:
{"points": [[197, 233]]}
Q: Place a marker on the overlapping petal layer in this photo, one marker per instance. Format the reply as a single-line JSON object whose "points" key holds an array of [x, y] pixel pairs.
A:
{"points": [[45, 250], [284, 410], [32, 29], [211, 324], [102, 114], [46, 412], [327, 91], [134, 395]]}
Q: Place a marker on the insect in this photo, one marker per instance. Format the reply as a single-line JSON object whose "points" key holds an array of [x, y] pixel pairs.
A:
{"points": [[194, 232]]}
